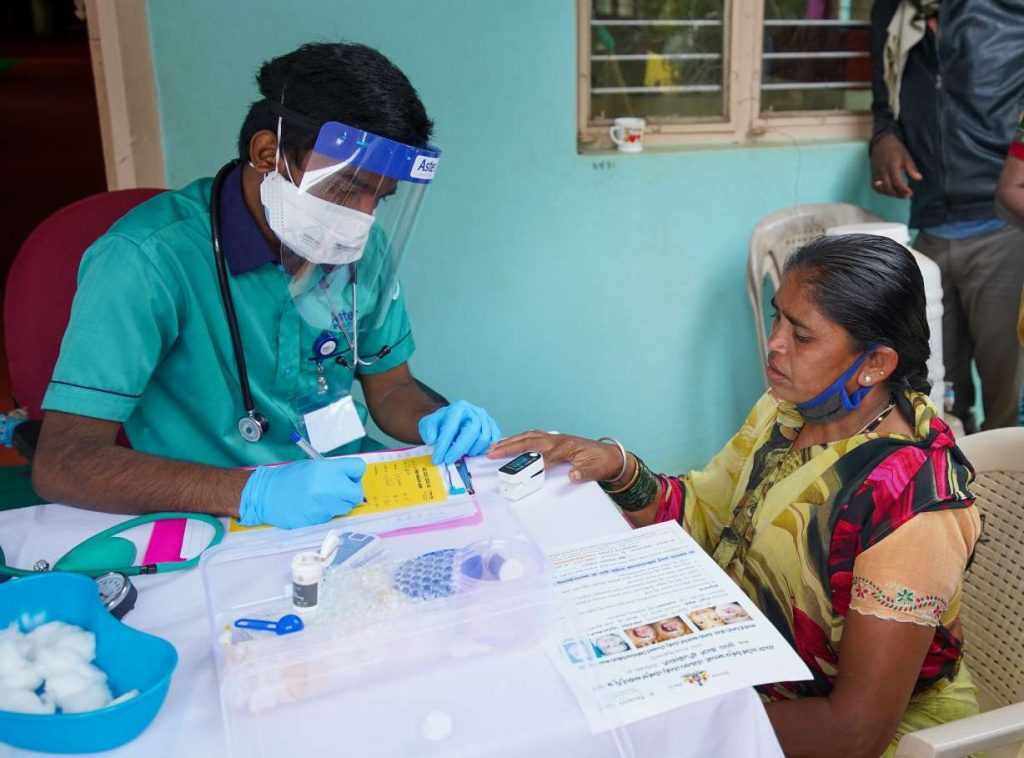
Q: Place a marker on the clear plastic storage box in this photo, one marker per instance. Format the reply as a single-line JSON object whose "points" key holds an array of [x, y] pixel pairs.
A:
{"points": [[433, 648]]}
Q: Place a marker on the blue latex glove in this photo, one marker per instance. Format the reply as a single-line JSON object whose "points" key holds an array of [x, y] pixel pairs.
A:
{"points": [[458, 430], [303, 493]]}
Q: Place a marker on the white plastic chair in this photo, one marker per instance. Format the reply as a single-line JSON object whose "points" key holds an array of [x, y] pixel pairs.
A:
{"points": [[993, 609], [776, 237]]}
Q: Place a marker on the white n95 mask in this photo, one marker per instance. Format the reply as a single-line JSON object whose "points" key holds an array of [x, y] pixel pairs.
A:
{"points": [[319, 231], [342, 264]]}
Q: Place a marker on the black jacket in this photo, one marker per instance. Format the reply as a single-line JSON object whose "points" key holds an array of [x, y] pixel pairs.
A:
{"points": [[959, 103]]}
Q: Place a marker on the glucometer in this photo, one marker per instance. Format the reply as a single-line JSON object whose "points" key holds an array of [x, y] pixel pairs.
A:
{"points": [[357, 549], [521, 476]]}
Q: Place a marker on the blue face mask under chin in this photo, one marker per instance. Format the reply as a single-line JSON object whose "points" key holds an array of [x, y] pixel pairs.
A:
{"points": [[834, 402]]}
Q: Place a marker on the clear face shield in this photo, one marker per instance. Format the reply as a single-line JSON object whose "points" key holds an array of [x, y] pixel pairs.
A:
{"points": [[344, 221]]}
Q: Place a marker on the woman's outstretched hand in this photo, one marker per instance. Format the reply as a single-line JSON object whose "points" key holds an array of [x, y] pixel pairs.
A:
{"points": [[590, 460]]}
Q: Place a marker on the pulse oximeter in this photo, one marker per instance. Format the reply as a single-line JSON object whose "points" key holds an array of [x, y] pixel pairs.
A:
{"points": [[521, 476]]}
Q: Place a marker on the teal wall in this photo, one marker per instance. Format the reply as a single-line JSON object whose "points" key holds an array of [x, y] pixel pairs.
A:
{"points": [[598, 295]]}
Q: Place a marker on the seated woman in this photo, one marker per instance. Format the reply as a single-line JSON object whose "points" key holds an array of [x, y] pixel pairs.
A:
{"points": [[840, 507]]}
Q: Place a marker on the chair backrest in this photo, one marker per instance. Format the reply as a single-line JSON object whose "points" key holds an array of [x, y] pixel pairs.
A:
{"points": [[41, 285], [993, 599], [777, 236]]}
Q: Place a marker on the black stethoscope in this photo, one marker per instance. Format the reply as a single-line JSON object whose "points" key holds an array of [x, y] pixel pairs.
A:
{"points": [[253, 425]]}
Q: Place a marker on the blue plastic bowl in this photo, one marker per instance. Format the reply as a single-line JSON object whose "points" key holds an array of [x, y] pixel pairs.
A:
{"points": [[131, 660]]}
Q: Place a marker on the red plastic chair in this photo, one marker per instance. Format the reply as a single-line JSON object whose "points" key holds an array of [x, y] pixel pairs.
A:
{"points": [[40, 287]]}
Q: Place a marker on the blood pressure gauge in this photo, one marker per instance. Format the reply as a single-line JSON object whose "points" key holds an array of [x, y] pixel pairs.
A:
{"points": [[521, 476], [117, 593]]}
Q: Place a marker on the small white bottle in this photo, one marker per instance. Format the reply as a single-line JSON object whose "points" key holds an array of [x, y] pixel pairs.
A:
{"points": [[307, 575]]}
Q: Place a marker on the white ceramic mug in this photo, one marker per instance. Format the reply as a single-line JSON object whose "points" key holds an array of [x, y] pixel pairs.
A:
{"points": [[628, 134]]}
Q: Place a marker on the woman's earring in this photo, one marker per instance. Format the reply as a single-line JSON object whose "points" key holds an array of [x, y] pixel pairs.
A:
{"points": [[866, 379]]}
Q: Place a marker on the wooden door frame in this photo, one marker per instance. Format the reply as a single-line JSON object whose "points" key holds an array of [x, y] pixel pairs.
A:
{"points": [[119, 43]]}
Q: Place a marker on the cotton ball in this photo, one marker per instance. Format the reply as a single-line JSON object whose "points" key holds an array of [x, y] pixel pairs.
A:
{"points": [[48, 702], [10, 652], [57, 635], [11, 657], [124, 697], [511, 569], [437, 725], [43, 635], [77, 642], [52, 662], [70, 682], [16, 671], [95, 696], [65, 684], [23, 701], [12, 635]]}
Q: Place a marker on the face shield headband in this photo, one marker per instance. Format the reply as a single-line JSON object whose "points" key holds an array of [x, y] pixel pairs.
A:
{"points": [[834, 402]]}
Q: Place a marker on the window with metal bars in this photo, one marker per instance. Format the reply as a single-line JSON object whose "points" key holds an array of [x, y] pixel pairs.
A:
{"points": [[713, 71]]}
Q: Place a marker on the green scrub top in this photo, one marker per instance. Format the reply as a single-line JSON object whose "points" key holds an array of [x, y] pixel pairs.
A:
{"points": [[148, 343]]}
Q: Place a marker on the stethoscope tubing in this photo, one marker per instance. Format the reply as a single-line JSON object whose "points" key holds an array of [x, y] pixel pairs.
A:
{"points": [[224, 284], [133, 569]]}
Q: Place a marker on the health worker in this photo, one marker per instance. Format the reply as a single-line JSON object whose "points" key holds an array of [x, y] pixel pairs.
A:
{"points": [[225, 322]]}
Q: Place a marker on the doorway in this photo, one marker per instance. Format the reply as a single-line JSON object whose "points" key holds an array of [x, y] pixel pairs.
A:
{"points": [[52, 150]]}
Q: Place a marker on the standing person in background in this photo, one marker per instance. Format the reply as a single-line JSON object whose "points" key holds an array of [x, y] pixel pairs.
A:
{"points": [[948, 82], [1010, 204], [1010, 192]]}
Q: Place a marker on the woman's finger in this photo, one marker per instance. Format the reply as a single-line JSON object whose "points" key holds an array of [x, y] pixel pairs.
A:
{"points": [[585, 470], [520, 443]]}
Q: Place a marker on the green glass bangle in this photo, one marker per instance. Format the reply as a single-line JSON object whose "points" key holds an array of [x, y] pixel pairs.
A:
{"points": [[641, 493]]}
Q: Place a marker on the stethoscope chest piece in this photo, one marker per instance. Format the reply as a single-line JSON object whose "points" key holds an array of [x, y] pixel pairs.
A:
{"points": [[117, 593], [252, 427]]}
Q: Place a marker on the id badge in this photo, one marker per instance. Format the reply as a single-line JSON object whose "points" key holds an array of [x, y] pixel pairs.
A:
{"points": [[331, 420]]}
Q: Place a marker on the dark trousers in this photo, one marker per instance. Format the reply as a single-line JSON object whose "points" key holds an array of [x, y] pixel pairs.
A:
{"points": [[981, 288]]}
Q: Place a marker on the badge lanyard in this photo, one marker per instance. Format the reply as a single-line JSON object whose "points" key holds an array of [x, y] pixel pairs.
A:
{"points": [[328, 415], [324, 346]]}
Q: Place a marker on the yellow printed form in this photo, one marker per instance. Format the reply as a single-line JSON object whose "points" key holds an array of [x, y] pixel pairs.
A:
{"points": [[401, 483], [389, 485]]}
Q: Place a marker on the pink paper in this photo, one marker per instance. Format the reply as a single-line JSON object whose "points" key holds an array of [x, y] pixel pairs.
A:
{"points": [[165, 542]]}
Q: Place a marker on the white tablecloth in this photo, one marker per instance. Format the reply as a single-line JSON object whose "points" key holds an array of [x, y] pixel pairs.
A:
{"points": [[173, 607]]}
